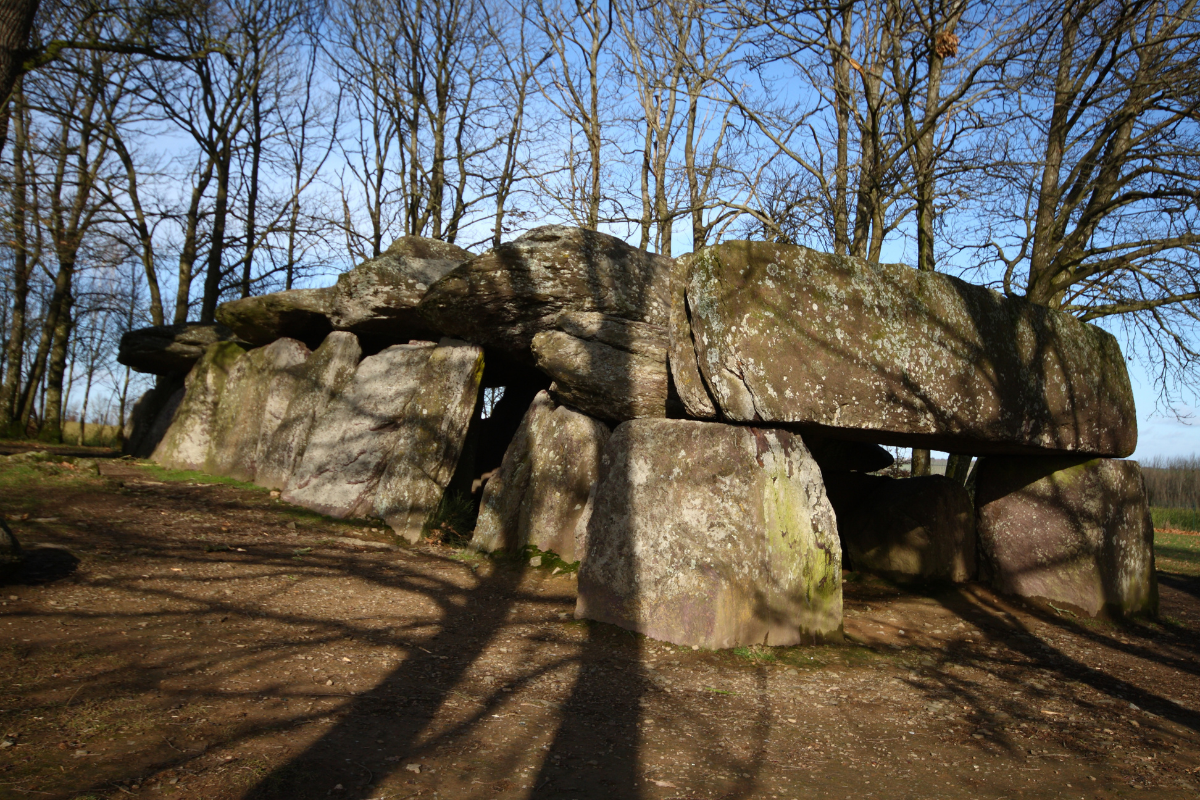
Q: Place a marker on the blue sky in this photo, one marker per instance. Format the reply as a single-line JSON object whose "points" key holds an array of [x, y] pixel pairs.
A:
{"points": [[1160, 433]]}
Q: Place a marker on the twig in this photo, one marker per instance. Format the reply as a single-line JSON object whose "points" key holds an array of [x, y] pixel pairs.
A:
{"points": [[73, 695]]}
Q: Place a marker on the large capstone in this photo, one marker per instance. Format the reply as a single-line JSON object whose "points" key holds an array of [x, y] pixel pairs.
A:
{"points": [[170, 349], [379, 297], [326, 373], [506, 296], [909, 528], [540, 493], [301, 314], [786, 335], [188, 440], [1069, 531], [711, 535], [388, 444], [606, 366], [249, 409]]}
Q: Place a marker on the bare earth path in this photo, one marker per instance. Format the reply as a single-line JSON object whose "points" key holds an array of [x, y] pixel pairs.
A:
{"points": [[188, 643]]}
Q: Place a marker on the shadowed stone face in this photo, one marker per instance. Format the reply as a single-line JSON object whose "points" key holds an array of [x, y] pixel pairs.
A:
{"points": [[302, 401], [301, 314], [605, 366], [905, 528], [170, 349], [786, 335], [386, 446], [380, 296], [541, 491], [1068, 530], [711, 535]]}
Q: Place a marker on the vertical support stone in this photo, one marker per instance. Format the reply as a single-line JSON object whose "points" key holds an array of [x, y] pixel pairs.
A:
{"points": [[1070, 531], [540, 493], [186, 442], [711, 535]]}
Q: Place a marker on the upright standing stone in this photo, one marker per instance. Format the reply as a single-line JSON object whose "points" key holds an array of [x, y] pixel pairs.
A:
{"points": [[389, 436], [255, 382], [1068, 531], [504, 297], [784, 334], [326, 373], [188, 439], [151, 415], [540, 493], [430, 438], [711, 535]]}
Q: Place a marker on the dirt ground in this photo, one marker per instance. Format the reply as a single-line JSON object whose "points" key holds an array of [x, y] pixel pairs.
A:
{"points": [[168, 639]]}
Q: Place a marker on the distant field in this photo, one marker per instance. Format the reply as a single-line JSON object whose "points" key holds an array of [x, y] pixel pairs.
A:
{"points": [[97, 435], [1177, 552], [1181, 519]]}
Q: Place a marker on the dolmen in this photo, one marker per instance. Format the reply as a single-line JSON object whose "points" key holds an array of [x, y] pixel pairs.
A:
{"points": [[702, 435]]}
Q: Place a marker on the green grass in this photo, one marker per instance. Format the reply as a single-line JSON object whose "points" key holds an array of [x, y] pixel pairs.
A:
{"points": [[97, 435], [550, 560], [20, 480], [1183, 519], [188, 476], [1177, 552], [756, 654]]}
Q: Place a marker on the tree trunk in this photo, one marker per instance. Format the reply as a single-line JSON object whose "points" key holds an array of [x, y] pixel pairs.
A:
{"points": [[188, 253], [16, 22], [841, 170], [256, 147], [55, 371], [958, 467], [22, 267], [920, 462], [28, 404], [216, 247]]}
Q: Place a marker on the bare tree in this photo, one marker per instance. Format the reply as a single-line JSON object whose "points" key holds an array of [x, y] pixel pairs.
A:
{"points": [[1101, 194], [16, 23], [579, 32]]}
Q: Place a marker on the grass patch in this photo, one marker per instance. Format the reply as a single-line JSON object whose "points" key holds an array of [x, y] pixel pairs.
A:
{"points": [[756, 654], [1177, 552], [20, 478], [545, 559], [188, 476], [97, 435], [1182, 519]]}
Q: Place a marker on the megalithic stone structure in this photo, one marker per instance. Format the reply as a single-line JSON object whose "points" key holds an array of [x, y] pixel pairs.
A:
{"points": [[782, 335]]}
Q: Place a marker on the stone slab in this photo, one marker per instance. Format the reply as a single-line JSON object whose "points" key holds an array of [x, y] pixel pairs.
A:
{"points": [[1073, 532], [539, 495], [784, 335], [711, 535]]}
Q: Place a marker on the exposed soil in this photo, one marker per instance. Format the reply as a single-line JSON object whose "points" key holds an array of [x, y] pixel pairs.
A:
{"points": [[206, 641]]}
